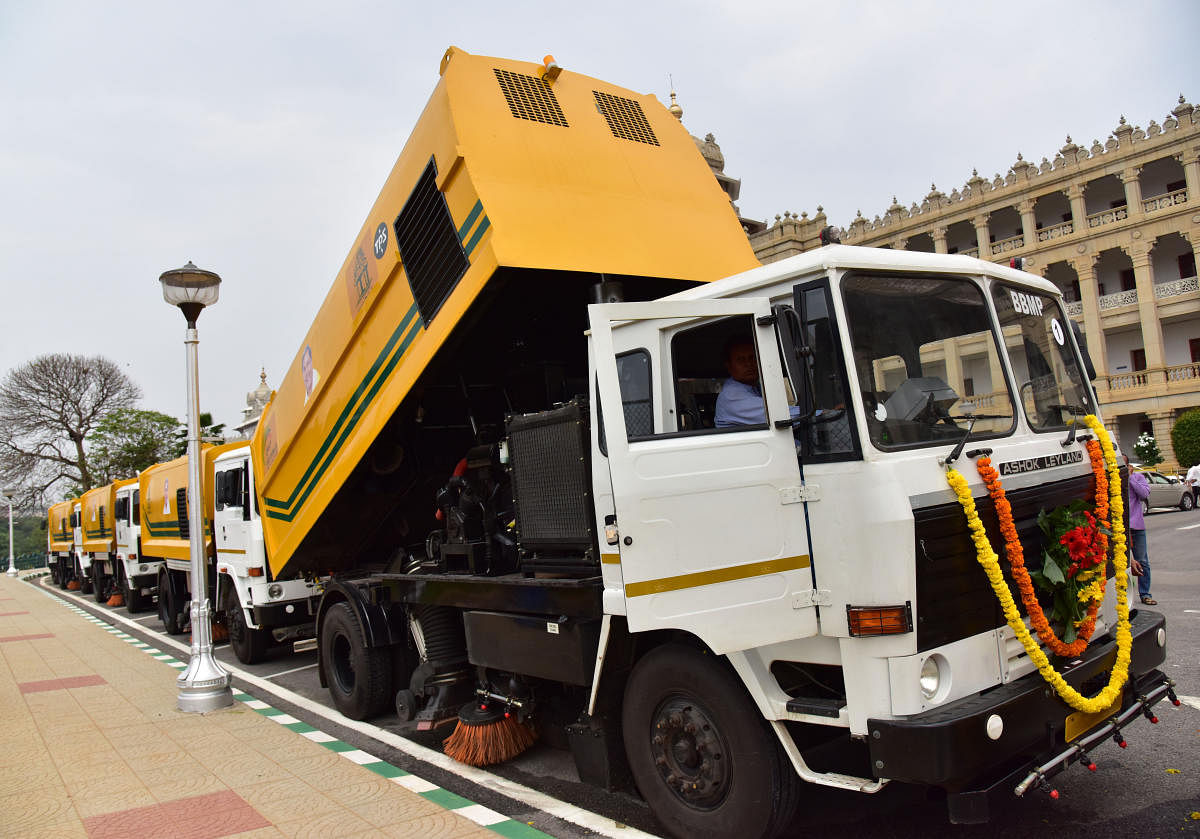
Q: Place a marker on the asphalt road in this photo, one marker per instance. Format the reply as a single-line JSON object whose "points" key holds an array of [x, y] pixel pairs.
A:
{"points": [[1150, 789]]}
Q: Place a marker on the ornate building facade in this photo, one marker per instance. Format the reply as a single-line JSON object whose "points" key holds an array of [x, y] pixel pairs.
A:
{"points": [[1115, 225]]}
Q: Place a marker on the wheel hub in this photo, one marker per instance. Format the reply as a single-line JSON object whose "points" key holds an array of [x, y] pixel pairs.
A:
{"points": [[690, 754]]}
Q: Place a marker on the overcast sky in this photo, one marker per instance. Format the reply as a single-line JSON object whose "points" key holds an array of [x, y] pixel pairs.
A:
{"points": [[252, 138]]}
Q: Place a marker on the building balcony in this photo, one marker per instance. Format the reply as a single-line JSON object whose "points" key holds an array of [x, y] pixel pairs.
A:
{"points": [[1121, 298], [1160, 202], [1176, 288], [1005, 245], [1108, 217], [1057, 231], [970, 252], [1074, 308], [1184, 373]]}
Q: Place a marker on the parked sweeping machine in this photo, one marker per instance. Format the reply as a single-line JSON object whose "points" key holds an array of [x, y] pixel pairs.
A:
{"points": [[499, 457]]}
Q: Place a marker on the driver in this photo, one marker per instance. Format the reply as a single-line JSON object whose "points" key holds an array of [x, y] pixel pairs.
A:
{"points": [[740, 401]]}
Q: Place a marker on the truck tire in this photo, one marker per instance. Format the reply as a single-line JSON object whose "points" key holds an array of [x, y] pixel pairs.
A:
{"points": [[702, 756], [169, 607], [249, 645], [359, 677], [100, 584], [135, 601], [85, 580], [64, 575]]}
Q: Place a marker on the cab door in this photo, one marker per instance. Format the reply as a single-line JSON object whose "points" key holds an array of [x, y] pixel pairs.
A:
{"points": [[232, 511], [709, 522]]}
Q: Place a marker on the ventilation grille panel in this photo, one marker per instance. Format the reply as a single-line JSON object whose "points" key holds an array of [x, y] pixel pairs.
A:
{"points": [[430, 249], [625, 118], [529, 97]]}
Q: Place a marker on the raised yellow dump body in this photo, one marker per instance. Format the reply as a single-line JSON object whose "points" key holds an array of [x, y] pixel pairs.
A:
{"points": [[165, 532], [507, 168], [97, 512], [58, 525]]}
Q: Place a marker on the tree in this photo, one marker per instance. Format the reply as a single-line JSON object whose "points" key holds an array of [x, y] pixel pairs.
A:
{"points": [[1147, 451], [1185, 438], [48, 407], [127, 441]]}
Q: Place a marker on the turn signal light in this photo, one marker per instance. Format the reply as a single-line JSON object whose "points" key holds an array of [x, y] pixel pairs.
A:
{"points": [[879, 620], [255, 572]]}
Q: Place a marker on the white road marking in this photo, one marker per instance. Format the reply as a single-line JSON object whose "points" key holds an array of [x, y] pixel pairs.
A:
{"points": [[502, 786], [1191, 701], [1191, 611], [1188, 527], [293, 670]]}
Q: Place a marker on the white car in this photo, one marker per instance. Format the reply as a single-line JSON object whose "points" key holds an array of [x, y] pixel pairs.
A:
{"points": [[1167, 491]]}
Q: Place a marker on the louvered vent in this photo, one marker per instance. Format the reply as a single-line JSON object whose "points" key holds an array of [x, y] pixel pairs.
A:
{"points": [[430, 249], [625, 118], [530, 98], [181, 512]]}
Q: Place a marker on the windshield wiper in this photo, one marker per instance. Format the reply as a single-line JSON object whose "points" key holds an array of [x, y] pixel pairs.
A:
{"points": [[1074, 411], [971, 419]]}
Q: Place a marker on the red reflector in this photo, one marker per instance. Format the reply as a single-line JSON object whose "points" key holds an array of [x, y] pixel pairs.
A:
{"points": [[879, 620], [255, 572], [133, 556]]}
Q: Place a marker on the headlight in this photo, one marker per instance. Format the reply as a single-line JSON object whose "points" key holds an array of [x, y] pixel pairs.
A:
{"points": [[274, 591], [143, 568], [931, 677]]}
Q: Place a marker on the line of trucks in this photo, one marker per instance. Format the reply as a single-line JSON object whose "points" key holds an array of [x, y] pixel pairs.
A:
{"points": [[493, 473]]}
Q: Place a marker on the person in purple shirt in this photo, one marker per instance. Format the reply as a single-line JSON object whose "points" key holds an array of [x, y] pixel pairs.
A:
{"points": [[1139, 492], [740, 401]]}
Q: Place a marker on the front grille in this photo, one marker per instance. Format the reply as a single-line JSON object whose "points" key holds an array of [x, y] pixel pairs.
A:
{"points": [[430, 250], [954, 599], [625, 118], [530, 97]]}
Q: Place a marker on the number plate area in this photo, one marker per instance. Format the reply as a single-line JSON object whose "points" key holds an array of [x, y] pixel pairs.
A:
{"points": [[1080, 723]]}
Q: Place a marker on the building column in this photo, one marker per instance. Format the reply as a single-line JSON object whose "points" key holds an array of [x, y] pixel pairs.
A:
{"points": [[1133, 190], [1191, 176], [1161, 422], [983, 236], [1152, 339], [939, 239], [954, 368], [1028, 223], [1089, 296], [1078, 207]]}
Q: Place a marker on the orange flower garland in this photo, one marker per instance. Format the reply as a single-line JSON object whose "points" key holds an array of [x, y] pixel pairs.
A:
{"points": [[1021, 574]]}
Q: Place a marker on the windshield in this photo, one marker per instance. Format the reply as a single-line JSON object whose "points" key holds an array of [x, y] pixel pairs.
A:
{"points": [[926, 359], [1051, 385]]}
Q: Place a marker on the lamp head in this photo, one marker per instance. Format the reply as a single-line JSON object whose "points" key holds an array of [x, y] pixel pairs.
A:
{"points": [[191, 289], [9, 494]]}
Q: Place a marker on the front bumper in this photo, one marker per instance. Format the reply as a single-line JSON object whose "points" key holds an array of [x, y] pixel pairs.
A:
{"points": [[949, 747], [273, 615]]}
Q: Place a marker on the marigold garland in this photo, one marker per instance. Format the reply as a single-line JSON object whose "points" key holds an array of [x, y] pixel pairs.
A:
{"points": [[991, 566], [1020, 574]]}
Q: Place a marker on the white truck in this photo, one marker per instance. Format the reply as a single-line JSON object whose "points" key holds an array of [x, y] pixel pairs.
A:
{"points": [[137, 576], [259, 610]]}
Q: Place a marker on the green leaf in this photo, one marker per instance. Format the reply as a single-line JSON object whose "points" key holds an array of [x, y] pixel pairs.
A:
{"points": [[1052, 572]]}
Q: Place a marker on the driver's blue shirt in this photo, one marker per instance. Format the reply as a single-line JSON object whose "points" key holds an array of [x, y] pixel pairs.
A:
{"points": [[739, 404]]}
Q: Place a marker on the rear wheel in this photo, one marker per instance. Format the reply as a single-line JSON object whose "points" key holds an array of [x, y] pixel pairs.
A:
{"points": [[359, 677], [249, 645], [1186, 503], [701, 753]]}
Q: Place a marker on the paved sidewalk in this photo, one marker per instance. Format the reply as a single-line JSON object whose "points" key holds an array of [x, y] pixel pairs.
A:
{"points": [[91, 745]]}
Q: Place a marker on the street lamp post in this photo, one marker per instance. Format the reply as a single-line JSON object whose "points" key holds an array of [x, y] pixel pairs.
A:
{"points": [[204, 685], [9, 494]]}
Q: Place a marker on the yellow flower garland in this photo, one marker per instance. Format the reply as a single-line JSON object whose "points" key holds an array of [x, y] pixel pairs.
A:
{"points": [[991, 566]]}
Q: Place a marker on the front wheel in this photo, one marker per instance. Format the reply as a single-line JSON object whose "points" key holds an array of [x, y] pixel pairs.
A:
{"points": [[249, 645], [100, 586], [135, 601], [701, 753], [170, 610], [359, 677], [85, 580]]}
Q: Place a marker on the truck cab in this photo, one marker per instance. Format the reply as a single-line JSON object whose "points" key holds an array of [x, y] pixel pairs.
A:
{"points": [[259, 609], [60, 543], [137, 576], [81, 566]]}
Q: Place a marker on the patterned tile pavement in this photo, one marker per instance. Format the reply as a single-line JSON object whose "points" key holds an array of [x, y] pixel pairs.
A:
{"points": [[94, 747]]}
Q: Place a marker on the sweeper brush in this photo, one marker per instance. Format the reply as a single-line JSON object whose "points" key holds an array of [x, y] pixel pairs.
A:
{"points": [[487, 734]]}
